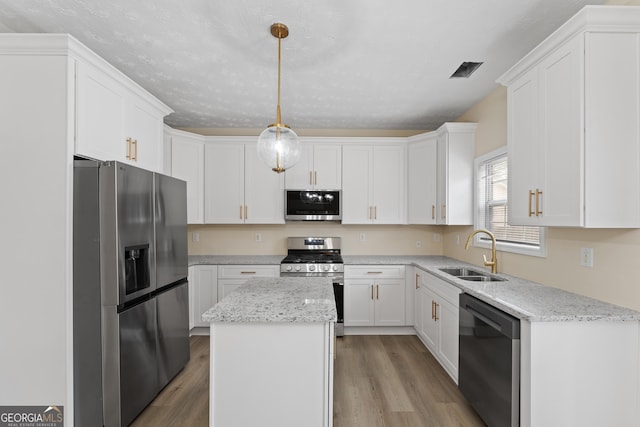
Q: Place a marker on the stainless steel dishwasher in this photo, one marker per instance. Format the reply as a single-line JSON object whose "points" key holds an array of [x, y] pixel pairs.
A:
{"points": [[489, 362]]}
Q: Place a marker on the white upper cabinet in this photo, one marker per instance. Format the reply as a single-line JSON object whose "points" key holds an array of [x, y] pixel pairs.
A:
{"points": [[574, 124], [422, 183], [320, 167], [187, 163], [373, 183], [456, 149], [239, 188], [441, 175], [116, 119]]}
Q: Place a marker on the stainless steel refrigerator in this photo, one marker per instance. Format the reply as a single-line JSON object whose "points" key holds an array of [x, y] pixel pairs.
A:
{"points": [[130, 310]]}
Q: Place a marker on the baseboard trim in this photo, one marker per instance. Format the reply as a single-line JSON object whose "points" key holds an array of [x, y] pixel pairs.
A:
{"points": [[379, 330]]}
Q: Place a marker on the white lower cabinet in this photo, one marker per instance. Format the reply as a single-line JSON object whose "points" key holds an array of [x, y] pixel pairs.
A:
{"points": [[203, 292], [374, 295], [436, 319], [232, 276]]}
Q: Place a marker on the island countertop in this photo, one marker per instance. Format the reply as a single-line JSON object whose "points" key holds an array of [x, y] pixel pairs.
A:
{"points": [[277, 299]]}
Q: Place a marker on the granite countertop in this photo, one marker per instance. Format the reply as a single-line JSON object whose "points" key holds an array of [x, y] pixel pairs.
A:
{"points": [[235, 259], [277, 299], [519, 297]]}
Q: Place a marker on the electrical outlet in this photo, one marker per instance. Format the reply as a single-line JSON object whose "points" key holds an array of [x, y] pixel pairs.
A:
{"points": [[457, 238], [195, 237], [363, 237], [418, 244], [258, 237], [586, 257], [436, 237]]}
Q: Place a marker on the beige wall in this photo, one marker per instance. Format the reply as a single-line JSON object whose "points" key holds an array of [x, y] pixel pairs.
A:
{"points": [[380, 239]]}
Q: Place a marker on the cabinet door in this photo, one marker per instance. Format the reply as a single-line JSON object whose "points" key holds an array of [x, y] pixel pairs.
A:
{"points": [[187, 163], [561, 145], [357, 174], [389, 184], [389, 302], [327, 166], [263, 191], [224, 183], [100, 115], [448, 321], [144, 126], [205, 289], [422, 161], [300, 176], [429, 326], [456, 184], [522, 105], [226, 286], [358, 302]]}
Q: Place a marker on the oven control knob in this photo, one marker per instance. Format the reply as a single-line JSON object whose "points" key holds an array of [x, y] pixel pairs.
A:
{"points": [[312, 268], [326, 268], [297, 268], [288, 268], [335, 268]]}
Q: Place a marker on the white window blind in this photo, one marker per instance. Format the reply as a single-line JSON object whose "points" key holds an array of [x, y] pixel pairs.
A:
{"points": [[492, 214]]}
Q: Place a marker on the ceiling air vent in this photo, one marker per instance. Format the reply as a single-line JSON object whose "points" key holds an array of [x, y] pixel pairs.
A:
{"points": [[465, 70]]}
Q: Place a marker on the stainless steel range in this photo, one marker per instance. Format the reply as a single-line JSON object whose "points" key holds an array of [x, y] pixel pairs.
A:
{"points": [[317, 257]]}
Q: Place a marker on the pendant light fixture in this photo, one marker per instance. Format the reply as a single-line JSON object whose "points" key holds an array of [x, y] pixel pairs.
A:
{"points": [[278, 144]]}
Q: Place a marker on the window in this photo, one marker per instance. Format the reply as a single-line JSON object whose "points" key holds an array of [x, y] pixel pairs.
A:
{"points": [[492, 209]]}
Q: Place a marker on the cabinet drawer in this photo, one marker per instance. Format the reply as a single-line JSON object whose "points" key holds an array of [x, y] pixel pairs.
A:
{"points": [[374, 271], [244, 271]]}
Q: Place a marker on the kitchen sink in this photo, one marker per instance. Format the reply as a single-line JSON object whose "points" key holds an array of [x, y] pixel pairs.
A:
{"points": [[470, 275], [461, 271]]}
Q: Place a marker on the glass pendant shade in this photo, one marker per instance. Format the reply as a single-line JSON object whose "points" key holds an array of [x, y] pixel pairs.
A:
{"points": [[278, 147]]}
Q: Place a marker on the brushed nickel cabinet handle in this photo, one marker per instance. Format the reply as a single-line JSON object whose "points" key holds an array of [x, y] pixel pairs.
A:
{"points": [[371, 291], [377, 292]]}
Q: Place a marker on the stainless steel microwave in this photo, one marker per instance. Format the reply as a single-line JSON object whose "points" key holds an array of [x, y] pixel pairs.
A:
{"points": [[312, 205]]}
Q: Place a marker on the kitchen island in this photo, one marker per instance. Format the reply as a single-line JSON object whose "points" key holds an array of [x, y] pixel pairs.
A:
{"points": [[272, 347]]}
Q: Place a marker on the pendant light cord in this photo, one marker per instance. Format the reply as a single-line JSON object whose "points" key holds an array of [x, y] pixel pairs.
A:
{"points": [[278, 118]]}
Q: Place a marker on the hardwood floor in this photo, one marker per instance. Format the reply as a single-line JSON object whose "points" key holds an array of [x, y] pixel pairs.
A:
{"points": [[381, 381], [184, 402], [394, 381]]}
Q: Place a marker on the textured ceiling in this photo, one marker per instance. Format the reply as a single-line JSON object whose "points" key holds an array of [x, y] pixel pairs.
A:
{"points": [[347, 64]]}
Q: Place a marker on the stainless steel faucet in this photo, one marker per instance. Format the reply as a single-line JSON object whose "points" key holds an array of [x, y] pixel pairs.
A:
{"points": [[494, 260]]}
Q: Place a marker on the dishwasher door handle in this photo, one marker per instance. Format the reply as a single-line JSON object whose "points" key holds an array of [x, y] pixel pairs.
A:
{"points": [[484, 318]]}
